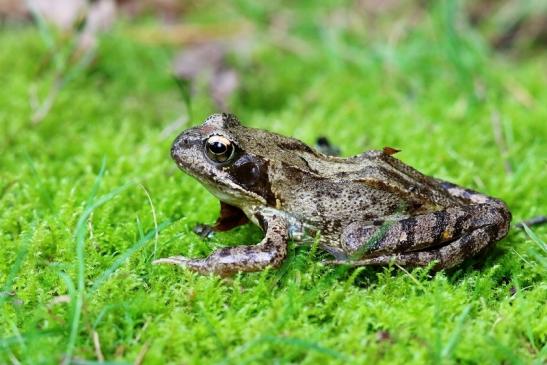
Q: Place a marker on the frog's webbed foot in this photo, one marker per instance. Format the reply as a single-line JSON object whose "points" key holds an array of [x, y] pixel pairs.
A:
{"points": [[204, 230], [227, 261], [194, 264]]}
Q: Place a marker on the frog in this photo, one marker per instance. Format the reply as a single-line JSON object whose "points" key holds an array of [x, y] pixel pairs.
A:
{"points": [[370, 209]]}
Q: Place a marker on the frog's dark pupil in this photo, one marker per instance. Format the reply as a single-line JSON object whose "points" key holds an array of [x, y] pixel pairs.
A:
{"points": [[217, 147]]}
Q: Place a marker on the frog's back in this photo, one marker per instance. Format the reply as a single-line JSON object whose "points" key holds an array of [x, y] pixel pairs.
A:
{"points": [[379, 170], [317, 187], [364, 188]]}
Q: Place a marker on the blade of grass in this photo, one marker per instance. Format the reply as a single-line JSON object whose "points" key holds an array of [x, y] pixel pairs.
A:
{"points": [[140, 230], [44, 192], [508, 355], [21, 254], [80, 231], [416, 281], [304, 344], [534, 237], [124, 256], [291, 341], [79, 234], [91, 362], [542, 356], [104, 312], [154, 217], [456, 334], [7, 342]]}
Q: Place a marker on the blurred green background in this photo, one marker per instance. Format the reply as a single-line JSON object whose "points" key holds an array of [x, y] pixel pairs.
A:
{"points": [[93, 93]]}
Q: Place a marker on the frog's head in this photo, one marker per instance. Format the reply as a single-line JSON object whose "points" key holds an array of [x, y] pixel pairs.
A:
{"points": [[215, 154]]}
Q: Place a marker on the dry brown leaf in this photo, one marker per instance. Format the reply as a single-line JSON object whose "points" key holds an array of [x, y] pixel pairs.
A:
{"points": [[167, 10], [62, 13], [100, 17], [207, 62], [197, 60], [13, 9]]}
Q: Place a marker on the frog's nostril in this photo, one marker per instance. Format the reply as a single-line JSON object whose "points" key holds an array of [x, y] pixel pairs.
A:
{"points": [[182, 143]]}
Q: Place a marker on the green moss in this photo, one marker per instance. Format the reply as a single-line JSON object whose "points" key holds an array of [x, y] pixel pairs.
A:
{"points": [[430, 93]]}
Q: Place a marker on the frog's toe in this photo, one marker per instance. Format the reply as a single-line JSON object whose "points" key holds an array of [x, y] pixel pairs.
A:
{"points": [[175, 260], [192, 264], [336, 262], [204, 230]]}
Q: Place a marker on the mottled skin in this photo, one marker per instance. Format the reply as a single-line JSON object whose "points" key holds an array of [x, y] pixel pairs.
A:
{"points": [[370, 209]]}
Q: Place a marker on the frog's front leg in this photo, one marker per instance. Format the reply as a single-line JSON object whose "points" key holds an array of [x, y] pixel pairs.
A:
{"points": [[229, 217], [226, 261]]}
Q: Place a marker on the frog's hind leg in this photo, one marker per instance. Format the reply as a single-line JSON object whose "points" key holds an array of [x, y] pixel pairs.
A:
{"points": [[423, 232], [446, 256], [448, 236]]}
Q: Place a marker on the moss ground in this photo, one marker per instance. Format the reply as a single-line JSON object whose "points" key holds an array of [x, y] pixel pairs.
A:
{"points": [[89, 197]]}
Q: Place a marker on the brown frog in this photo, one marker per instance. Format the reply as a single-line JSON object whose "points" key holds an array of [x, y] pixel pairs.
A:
{"points": [[369, 209]]}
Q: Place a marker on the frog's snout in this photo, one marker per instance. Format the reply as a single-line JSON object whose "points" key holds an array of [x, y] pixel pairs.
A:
{"points": [[175, 147], [186, 146]]}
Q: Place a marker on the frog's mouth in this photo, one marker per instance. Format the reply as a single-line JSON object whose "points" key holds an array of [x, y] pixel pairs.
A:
{"points": [[189, 156], [226, 190]]}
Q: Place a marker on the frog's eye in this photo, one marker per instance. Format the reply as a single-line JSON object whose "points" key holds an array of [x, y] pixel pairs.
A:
{"points": [[219, 149]]}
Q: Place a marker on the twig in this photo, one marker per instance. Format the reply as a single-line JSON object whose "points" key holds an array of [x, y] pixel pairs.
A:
{"points": [[520, 94], [6, 187], [138, 338], [184, 34], [58, 300], [520, 256], [142, 353], [535, 221], [410, 276], [153, 217], [13, 359], [97, 345], [500, 141], [174, 126], [63, 74], [44, 107]]}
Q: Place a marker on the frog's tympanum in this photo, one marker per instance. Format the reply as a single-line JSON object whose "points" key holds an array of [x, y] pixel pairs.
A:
{"points": [[369, 209]]}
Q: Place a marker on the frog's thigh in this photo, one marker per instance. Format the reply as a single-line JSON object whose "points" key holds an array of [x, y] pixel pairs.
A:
{"points": [[447, 256], [227, 261], [421, 232]]}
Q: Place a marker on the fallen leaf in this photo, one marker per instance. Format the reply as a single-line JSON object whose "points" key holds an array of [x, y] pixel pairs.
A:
{"points": [[199, 59], [222, 86], [208, 62], [383, 336], [62, 13], [100, 17], [13, 9], [167, 10]]}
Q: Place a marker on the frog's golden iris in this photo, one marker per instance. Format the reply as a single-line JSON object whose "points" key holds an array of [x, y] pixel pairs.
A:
{"points": [[219, 149]]}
